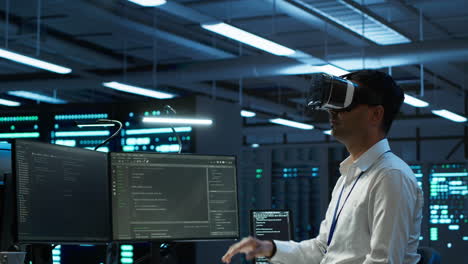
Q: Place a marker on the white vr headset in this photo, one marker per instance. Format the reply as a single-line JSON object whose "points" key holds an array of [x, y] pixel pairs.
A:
{"points": [[330, 92]]}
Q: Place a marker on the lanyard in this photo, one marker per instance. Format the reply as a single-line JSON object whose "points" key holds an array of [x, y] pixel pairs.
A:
{"points": [[336, 215]]}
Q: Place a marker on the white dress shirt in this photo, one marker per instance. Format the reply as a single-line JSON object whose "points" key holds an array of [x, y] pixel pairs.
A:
{"points": [[380, 222]]}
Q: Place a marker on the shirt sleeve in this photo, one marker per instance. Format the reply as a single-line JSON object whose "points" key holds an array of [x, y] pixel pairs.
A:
{"points": [[392, 202], [309, 251], [306, 252]]}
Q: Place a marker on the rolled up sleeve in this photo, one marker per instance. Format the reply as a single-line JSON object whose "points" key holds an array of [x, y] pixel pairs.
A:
{"points": [[306, 252]]}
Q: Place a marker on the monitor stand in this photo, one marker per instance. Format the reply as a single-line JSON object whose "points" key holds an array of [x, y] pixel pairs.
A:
{"points": [[155, 249]]}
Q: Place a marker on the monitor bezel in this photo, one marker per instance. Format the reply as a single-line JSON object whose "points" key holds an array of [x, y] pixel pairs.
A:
{"points": [[52, 241], [166, 240]]}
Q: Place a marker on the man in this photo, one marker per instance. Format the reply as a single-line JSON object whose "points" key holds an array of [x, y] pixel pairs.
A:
{"points": [[375, 212]]}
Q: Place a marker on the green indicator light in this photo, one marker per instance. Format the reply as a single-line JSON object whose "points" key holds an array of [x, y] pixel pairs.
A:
{"points": [[259, 170], [126, 260], [126, 247], [259, 176], [146, 113], [444, 212], [18, 118], [12, 127], [127, 254]]}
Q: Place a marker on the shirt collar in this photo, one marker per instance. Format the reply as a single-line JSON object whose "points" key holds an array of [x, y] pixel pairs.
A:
{"points": [[367, 159]]}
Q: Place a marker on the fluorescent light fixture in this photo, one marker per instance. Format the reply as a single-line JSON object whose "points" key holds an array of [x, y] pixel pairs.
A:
{"points": [[20, 135], [449, 115], [9, 103], [94, 125], [82, 133], [290, 123], [13, 56], [248, 38], [328, 132], [450, 174], [163, 130], [66, 142], [255, 145], [245, 113], [185, 121], [138, 90], [330, 69], [413, 101], [148, 2], [37, 97]]}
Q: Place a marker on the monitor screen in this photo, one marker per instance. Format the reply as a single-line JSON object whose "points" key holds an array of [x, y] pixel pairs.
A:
{"points": [[173, 197], [271, 225], [448, 207], [62, 193]]}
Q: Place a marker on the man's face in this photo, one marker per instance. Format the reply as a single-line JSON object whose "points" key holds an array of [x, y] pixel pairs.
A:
{"points": [[346, 125]]}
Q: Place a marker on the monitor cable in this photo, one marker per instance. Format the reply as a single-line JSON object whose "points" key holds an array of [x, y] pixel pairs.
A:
{"points": [[170, 110], [109, 121]]}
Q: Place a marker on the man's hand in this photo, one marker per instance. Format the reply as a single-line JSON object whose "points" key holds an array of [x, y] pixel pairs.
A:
{"points": [[252, 248]]}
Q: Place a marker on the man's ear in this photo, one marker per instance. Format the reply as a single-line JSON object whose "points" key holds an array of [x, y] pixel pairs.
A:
{"points": [[377, 114]]}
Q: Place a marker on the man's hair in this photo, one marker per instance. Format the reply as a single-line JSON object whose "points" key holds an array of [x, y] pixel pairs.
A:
{"points": [[384, 87]]}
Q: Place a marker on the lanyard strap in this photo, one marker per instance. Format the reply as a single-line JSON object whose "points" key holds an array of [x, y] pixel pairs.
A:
{"points": [[337, 214]]}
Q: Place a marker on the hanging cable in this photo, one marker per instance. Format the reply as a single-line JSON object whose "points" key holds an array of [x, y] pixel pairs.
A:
{"points": [[363, 28], [7, 22], [421, 66], [155, 54], [38, 39], [109, 121], [169, 110]]}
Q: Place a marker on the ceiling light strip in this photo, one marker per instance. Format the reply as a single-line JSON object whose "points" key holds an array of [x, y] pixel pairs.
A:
{"points": [[449, 115], [9, 103], [285, 122], [37, 97], [16, 57], [148, 3], [248, 38], [138, 90]]}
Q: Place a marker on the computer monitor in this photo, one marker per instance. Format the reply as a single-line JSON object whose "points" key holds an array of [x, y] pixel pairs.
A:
{"points": [[173, 197], [271, 225], [62, 193]]}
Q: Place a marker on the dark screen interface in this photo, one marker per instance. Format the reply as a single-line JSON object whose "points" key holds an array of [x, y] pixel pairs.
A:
{"points": [[62, 193], [274, 225], [164, 196]]}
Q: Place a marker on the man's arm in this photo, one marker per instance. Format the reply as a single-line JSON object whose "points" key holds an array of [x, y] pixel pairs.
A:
{"points": [[392, 206], [307, 252]]}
